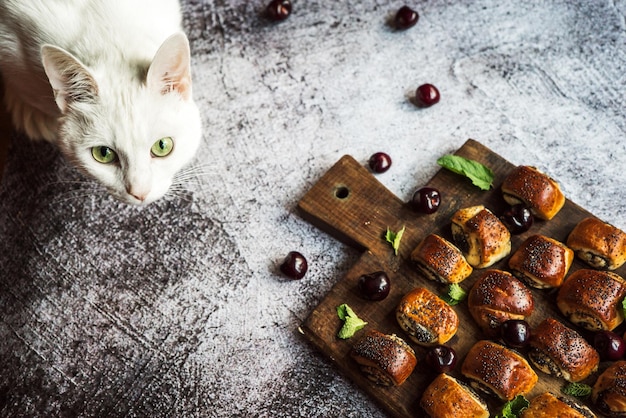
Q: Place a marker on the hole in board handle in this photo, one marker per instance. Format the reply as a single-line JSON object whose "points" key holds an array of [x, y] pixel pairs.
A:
{"points": [[342, 192]]}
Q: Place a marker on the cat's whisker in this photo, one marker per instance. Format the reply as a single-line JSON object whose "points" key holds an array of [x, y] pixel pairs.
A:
{"points": [[194, 172], [188, 178], [178, 194], [73, 189], [72, 196], [207, 168], [71, 183], [180, 188]]}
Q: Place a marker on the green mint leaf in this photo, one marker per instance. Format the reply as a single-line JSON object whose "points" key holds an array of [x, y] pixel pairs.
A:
{"points": [[578, 390], [342, 311], [454, 294], [624, 306], [394, 238], [352, 323], [479, 174], [514, 407], [350, 327]]}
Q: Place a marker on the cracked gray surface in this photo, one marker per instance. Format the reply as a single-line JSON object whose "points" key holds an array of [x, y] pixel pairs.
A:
{"points": [[176, 309]]}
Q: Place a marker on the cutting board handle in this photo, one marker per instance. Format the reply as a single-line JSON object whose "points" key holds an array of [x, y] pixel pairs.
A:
{"points": [[349, 203]]}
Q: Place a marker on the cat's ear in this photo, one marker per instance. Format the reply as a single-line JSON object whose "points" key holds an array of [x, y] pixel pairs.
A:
{"points": [[71, 81], [170, 69]]}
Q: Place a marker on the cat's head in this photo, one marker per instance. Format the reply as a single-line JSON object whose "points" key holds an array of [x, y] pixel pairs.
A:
{"points": [[131, 130]]}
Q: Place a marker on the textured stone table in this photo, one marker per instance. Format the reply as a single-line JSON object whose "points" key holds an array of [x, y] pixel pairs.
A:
{"points": [[177, 309]]}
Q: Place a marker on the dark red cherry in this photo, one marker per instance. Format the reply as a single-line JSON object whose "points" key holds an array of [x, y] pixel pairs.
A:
{"points": [[406, 17], [515, 333], [426, 200], [294, 265], [379, 162], [426, 95], [441, 358], [609, 345], [374, 286], [278, 10], [517, 218]]}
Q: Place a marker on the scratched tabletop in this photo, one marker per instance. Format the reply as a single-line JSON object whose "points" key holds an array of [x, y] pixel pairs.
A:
{"points": [[178, 309]]}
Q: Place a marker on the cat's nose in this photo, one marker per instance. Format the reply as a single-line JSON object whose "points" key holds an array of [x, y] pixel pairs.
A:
{"points": [[140, 197], [139, 193]]}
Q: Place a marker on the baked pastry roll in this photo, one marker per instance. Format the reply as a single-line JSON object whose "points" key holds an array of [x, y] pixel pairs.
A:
{"points": [[560, 351], [609, 391], [497, 370], [541, 262], [481, 236], [448, 397], [386, 360], [598, 244], [548, 405], [537, 190], [426, 318], [592, 299], [440, 260], [496, 297]]}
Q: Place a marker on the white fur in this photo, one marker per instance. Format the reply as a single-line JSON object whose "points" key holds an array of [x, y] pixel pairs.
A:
{"points": [[114, 73]]}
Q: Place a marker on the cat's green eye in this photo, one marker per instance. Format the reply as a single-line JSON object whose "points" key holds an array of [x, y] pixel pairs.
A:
{"points": [[162, 147], [104, 155]]}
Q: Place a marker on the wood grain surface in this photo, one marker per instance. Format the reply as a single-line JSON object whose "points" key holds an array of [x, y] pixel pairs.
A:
{"points": [[352, 205]]}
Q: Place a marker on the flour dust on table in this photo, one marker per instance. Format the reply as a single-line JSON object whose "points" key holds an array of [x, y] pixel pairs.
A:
{"points": [[109, 83]]}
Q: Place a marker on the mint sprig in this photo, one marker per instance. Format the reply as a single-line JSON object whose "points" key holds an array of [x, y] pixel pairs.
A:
{"points": [[454, 294], [394, 238], [351, 322], [514, 407], [479, 174], [578, 390]]}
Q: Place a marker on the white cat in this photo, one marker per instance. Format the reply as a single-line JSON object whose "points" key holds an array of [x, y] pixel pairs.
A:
{"points": [[109, 82]]}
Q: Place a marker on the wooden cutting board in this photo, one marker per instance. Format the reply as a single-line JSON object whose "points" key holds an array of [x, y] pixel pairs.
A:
{"points": [[349, 203]]}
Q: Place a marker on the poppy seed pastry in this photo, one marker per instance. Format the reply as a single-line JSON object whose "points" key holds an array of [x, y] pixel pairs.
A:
{"points": [[592, 299], [609, 391], [440, 260], [548, 405], [480, 235], [497, 370], [386, 360], [426, 318], [537, 190], [560, 351], [541, 262], [449, 397], [598, 244], [496, 297]]}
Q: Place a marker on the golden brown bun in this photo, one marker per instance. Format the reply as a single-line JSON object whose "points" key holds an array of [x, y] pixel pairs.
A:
{"points": [[426, 318], [496, 297], [481, 236], [541, 262], [448, 397], [609, 391], [598, 244], [592, 299], [496, 370], [387, 360], [547, 405], [560, 351], [535, 189], [440, 260]]}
